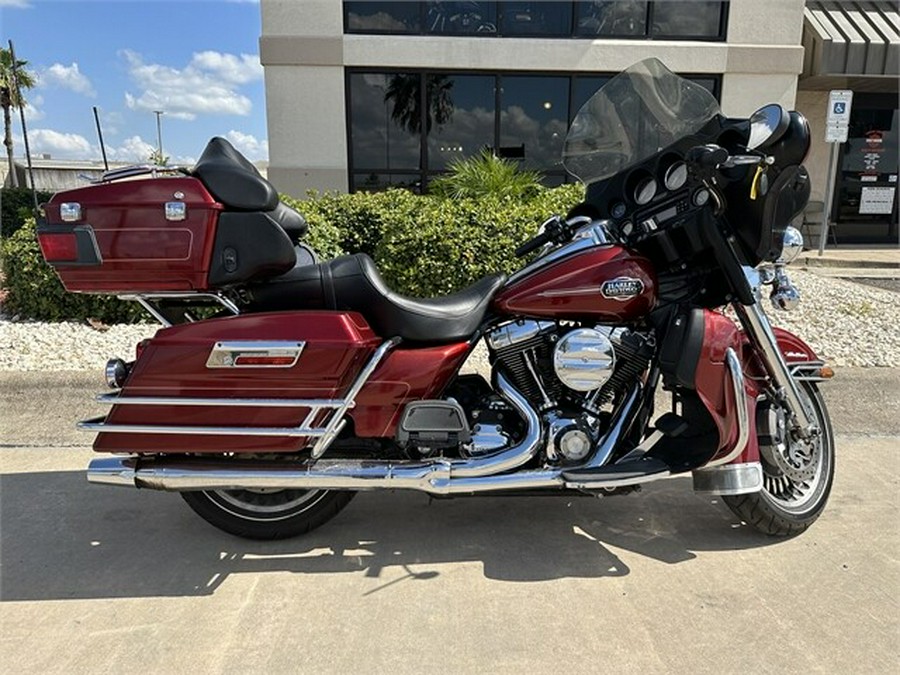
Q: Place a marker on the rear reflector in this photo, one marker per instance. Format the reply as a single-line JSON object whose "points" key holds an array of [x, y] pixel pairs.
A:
{"points": [[285, 361], [58, 246]]}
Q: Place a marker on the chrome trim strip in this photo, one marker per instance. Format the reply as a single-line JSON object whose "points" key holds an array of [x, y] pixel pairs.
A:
{"points": [[97, 425], [740, 406], [118, 399], [138, 170], [733, 479], [227, 354], [590, 236], [617, 482]]}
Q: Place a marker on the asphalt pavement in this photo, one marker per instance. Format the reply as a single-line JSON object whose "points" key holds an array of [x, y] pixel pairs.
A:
{"points": [[99, 579]]}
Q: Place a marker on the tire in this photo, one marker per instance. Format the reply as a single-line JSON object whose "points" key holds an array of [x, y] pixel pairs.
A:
{"points": [[792, 499], [267, 514]]}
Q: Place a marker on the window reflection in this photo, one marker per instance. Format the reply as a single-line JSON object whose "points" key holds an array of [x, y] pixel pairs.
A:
{"points": [[685, 19], [467, 121], [378, 182], [460, 18], [534, 116], [383, 134], [382, 17], [619, 18], [536, 18]]}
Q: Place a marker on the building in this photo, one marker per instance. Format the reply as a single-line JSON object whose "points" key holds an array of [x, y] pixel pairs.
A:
{"points": [[360, 93]]}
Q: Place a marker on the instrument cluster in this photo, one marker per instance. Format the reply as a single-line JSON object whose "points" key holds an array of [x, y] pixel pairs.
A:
{"points": [[652, 195]]}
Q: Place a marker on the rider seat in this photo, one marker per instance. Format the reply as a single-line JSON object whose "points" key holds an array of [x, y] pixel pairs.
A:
{"points": [[353, 283]]}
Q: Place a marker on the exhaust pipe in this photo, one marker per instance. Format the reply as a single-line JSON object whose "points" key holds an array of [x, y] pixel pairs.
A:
{"points": [[437, 477], [466, 475]]}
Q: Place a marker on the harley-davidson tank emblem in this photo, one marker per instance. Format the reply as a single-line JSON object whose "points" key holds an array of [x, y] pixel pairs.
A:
{"points": [[622, 288]]}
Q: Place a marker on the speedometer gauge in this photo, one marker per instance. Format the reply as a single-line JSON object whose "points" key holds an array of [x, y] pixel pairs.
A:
{"points": [[645, 191], [676, 176]]}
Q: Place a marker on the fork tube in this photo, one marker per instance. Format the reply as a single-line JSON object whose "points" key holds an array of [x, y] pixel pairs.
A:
{"points": [[758, 328]]}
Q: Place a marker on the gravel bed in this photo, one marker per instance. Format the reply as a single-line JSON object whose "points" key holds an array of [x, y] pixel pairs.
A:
{"points": [[847, 323]]}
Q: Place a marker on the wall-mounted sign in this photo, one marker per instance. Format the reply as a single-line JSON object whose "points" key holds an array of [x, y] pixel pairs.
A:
{"points": [[877, 200]]}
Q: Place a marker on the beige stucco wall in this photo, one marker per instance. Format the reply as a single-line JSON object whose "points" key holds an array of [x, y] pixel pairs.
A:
{"points": [[304, 53]]}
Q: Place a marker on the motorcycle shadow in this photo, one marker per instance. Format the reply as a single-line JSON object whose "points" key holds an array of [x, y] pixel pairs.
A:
{"points": [[63, 538]]}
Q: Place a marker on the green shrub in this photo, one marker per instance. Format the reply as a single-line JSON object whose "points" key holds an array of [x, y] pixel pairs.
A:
{"points": [[453, 243], [16, 206], [485, 176], [33, 290]]}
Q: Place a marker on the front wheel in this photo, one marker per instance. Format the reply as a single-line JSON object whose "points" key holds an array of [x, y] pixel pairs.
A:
{"points": [[797, 474], [267, 514]]}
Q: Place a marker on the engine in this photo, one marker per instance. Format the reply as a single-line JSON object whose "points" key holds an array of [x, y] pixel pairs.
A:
{"points": [[571, 373]]}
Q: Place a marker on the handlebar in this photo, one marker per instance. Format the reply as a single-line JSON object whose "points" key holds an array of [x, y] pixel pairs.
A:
{"points": [[554, 229]]}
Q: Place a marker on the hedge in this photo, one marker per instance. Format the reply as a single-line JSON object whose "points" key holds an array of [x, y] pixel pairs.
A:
{"points": [[16, 205], [424, 246]]}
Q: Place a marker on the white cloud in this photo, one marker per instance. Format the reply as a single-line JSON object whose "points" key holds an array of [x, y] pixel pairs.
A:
{"points": [[21, 4], [68, 77], [134, 149], [208, 85], [59, 145], [248, 145], [33, 112]]}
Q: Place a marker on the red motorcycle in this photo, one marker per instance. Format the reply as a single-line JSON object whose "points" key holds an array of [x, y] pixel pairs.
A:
{"points": [[313, 380]]}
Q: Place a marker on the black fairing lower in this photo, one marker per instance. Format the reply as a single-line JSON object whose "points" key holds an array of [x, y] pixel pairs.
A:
{"points": [[249, 247]]}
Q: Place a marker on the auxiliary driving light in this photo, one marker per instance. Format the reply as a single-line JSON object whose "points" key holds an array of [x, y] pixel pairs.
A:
{"points": [[793, 245], [116, 372]]}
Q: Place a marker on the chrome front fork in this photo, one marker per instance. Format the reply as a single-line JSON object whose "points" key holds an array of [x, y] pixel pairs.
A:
{"points": [[758, 328]]}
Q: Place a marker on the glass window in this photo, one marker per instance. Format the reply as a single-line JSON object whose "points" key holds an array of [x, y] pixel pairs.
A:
{"points": [[381, 17], [385, 120], [460, 116], [534, 117], [617, 18], [685, 18], [536, 18], [583, 87], [460, 18], [377, 182]]}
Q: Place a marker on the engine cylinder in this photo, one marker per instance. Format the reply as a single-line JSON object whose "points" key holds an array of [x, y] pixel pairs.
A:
{"points": [[584, 359]]}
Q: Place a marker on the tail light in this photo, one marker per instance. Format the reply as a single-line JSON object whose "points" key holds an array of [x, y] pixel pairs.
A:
{"points": [[58, 246]]}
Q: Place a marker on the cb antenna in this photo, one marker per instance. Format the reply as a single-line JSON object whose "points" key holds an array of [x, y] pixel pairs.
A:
{"points": [[100, 136], [18, 97]]}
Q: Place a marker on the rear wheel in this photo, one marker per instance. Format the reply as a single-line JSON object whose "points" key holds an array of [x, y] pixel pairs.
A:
{"points": [[267, 514], [797, 474]]}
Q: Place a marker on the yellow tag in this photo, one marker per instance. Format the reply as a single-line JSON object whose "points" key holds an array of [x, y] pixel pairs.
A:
{"points": [[754, 186]]}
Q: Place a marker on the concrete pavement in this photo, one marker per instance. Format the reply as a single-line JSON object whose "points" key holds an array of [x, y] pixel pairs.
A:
{"points": [[97, 579]]}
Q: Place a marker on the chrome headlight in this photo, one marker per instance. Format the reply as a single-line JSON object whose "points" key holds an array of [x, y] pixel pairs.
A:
{"points": [[793, 245]]}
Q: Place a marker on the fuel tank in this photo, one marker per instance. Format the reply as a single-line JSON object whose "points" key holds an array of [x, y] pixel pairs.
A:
{"points": [[604, 284]]}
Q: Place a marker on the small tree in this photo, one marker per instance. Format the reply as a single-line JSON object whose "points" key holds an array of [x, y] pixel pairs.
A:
{"points": [[485, 175], [11, 98], [158, 160]]}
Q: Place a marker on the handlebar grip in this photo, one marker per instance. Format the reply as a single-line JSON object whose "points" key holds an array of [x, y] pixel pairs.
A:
{"points": [[533, 244], [707, 156]]}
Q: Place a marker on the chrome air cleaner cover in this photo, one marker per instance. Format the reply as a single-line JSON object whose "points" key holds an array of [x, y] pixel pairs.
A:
{"points": [[584, 359]]}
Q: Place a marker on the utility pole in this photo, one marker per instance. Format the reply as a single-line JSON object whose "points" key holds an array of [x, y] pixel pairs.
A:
{"points": [[159, 156]]}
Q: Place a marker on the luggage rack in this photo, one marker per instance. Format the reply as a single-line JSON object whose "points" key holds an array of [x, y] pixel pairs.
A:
{"points": [[139, 170], [325, 432], [152, 302]]}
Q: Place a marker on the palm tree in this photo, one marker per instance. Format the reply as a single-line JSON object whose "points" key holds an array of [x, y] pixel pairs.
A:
{"points": [[11, 97], [405, 92]]}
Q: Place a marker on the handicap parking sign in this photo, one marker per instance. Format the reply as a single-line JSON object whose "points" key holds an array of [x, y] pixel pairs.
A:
{"points": [[839, 107]]}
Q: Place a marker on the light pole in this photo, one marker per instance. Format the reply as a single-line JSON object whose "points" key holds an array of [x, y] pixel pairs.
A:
{"points": [[159, 156]]}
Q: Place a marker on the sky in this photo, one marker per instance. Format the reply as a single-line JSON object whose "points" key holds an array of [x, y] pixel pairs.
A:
{"points": [[196, 60]]}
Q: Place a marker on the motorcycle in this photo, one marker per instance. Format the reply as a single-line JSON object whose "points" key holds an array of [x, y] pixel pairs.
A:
{"points": [[280, 385]]}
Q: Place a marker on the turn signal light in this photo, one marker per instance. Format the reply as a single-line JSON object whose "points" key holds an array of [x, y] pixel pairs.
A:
{"points": [[826, 372], [265, 360], [58, 246]]}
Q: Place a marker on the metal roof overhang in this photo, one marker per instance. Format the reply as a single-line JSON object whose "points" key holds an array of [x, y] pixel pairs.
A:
{"points": [[851, 39]]}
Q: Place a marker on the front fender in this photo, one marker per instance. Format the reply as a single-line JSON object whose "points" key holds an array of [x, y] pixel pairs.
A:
{"points": [[793, 348]]}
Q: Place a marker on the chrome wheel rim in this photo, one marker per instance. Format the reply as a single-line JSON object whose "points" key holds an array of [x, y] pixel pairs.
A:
{"points": [[266, 504], [796, 477]]}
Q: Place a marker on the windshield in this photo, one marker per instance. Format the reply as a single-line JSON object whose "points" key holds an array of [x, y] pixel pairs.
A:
{"points": [[632, 117]]}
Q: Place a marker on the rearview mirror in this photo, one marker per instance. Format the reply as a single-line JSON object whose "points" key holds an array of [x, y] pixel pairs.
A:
{"points": [[767, 125]]}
